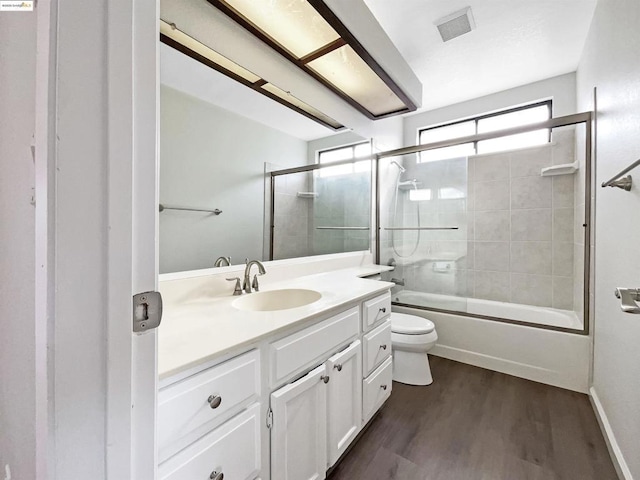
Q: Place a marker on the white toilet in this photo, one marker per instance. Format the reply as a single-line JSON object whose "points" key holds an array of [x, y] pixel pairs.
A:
{"points": [[411, 338]]}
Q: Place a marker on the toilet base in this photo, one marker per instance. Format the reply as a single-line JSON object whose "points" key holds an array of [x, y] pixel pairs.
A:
{"points": [[411, 368]]}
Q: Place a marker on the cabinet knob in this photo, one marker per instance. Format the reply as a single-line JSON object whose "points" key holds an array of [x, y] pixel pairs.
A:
{"points": [[325, 378], [338, 366], [216, 475], [383, 309], [214, 402], [383, 346], [384, 387]]}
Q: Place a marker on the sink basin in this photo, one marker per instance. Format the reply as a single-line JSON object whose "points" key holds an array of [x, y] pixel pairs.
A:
{"points": [[273, 300]]}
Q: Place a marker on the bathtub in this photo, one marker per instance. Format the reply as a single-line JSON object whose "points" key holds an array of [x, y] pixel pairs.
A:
{"points": [[544, 316], [554, 357]]}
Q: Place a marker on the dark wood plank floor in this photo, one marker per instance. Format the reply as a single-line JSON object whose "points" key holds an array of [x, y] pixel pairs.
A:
{"points": [[477, 424]]}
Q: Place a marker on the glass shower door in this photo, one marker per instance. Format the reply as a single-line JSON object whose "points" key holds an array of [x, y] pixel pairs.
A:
{"points": [[423, 223]]}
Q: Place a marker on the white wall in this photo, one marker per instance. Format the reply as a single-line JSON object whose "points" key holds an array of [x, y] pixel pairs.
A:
{"points": [[561, 89], [17, 233], [213, 158], [610, 63]]}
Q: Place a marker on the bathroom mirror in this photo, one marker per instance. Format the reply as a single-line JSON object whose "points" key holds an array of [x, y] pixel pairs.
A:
{"points": [[216, 140]]}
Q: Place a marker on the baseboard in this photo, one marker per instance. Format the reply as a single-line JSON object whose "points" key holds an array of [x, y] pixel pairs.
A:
{"points": [[521, 370], [614, 449]]}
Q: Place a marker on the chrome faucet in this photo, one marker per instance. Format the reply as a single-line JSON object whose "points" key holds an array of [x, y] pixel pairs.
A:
{"points": [[220, 261], [247, 285]]}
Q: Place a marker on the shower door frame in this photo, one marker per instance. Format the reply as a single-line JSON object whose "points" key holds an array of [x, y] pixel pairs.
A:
{"points": [[564, 121]]}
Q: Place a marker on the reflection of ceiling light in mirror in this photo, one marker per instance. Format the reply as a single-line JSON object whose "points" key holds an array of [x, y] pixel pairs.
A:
{"points": [[310, 35], [287, 97], [174, 37], [194, 45]]}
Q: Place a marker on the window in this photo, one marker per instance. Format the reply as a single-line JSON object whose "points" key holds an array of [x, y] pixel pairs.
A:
{"points": [[514, 117], [351, 152]]}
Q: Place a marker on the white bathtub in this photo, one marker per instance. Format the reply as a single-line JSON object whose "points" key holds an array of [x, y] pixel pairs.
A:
{"points": [[489, 308], [548, 356]]}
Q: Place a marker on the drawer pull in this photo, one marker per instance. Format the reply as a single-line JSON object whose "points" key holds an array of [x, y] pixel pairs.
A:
{"points": [[384, 387], [383, 346], [216, 475], [338, 366], [214, 402], [383, 309], [325, 378]]}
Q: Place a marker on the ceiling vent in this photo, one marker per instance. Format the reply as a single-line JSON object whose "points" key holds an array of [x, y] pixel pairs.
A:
{"points": [[456, 24]]}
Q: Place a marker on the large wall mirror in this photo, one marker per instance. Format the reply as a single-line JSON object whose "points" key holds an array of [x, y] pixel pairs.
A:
{"points": [[217, 140]]}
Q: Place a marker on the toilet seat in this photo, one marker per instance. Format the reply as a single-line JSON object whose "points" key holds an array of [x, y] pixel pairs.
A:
{"points": [[410, 324]]}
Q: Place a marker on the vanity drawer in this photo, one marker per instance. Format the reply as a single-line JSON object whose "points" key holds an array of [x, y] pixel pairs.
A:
{"points": [[375, 310], [377, 347], [376, 389], [232, 449], [302, 349], [191, 407]]}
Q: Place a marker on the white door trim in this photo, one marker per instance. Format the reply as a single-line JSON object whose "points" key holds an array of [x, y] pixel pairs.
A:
{"points": [[44, 194], [132, 48]]}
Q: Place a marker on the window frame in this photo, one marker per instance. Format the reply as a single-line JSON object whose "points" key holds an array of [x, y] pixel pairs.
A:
{"points": [[352, 146], [353, 160], [548, 103]]}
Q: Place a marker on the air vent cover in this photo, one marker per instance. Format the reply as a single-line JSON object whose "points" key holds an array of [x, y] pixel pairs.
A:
{"points": [[456, 24]]}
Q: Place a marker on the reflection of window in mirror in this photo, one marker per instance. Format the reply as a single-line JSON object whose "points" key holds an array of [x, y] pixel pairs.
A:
{"points": [[326, 210], [349, 152]]}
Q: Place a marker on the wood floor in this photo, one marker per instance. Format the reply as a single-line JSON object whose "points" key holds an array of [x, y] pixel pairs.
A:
{"points": [[477, 424]]}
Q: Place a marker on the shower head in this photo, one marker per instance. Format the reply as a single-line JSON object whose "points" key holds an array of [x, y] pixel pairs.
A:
{"points": [[402, 169]]}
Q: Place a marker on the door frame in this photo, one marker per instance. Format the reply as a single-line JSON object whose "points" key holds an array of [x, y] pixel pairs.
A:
{"points": [[133, 107], [130, 212]]}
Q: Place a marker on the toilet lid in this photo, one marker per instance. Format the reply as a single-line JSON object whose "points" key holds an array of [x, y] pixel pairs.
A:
{"points": [[410, 324]]}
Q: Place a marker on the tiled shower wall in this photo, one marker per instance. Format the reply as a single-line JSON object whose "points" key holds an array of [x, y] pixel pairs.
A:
{"points": [[336, 201], [342, 201], [521, 226], [292, 216]]}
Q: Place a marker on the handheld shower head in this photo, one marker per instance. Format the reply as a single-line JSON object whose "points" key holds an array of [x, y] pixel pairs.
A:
{"points": [[402, 169]]}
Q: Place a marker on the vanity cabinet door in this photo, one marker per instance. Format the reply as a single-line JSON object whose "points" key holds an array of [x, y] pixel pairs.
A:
{"points": [[344, 399], [299, 431]]}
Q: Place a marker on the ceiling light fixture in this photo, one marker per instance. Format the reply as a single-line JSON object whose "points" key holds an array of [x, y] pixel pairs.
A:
{"points": [[311, 36], [172, 36]]}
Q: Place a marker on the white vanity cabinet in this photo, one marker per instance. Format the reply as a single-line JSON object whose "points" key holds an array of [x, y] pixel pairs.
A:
{"points": [[286, 410]]}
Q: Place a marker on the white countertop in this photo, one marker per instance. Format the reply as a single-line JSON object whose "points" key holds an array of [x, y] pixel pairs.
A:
{"points": [[199, 330]]}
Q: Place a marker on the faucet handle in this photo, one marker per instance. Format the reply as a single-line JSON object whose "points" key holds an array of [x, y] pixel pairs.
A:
{"points": [[238, 289], [254, 284]]}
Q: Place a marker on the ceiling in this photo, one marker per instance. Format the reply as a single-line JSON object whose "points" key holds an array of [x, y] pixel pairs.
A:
{"points": [[515, 42]]}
